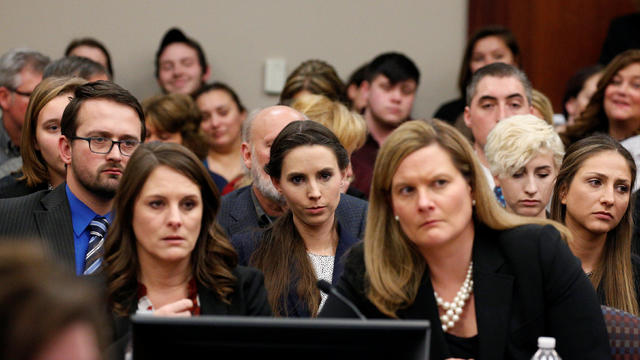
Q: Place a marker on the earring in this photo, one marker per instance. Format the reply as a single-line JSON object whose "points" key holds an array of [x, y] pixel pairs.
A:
{"points": [[397, 218], [473, 202]]}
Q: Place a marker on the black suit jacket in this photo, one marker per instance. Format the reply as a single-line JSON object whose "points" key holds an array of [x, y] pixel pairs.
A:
{"points": [[44, 215], [526, 284], [10, 186], [246, 243], [238, 214], [249, 298]]}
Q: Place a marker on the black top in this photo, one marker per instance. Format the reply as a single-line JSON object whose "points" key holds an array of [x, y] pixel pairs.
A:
{"points": [[527, 284], [623, 34], [11, 187], [463, 348], [249, 298], [450, 111], [635, 265]]}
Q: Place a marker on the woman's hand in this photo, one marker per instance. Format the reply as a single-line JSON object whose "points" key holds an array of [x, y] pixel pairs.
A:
{"points": [[456, 359], [179, 308]]}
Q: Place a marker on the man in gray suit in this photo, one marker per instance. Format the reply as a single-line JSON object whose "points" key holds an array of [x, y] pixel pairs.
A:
{"points": [[258, 205], [101, 127]]}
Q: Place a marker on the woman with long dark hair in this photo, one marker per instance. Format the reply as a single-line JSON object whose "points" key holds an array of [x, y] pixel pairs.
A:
{"points": [[164, 253], [307, 166]]}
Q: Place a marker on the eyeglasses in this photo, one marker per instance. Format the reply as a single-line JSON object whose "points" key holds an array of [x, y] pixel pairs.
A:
{"points": [[103, 145], [27, 94]]}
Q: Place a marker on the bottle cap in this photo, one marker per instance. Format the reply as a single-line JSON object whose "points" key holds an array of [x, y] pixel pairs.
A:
{"points": [[546, 342]]}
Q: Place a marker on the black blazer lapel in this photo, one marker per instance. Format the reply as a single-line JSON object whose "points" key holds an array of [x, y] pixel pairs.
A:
{"points": [[345, 242], [493, 295], [425, 307], [55, 225], [209, 303]]}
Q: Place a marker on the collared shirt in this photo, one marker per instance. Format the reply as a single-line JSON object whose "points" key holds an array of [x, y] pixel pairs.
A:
{"points": [[81, 216], [264, 220], [146, 307]]}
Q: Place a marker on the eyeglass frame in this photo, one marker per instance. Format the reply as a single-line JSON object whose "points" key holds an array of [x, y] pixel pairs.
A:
{"points": [[22, 93], [113, 142]]}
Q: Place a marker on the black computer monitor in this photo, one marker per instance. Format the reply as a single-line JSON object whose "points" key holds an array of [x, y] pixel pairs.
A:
{"points": [[231, 337]]}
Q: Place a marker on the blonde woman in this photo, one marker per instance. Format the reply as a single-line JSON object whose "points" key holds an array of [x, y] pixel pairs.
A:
{"points": [[439, 247], [524, 154]]}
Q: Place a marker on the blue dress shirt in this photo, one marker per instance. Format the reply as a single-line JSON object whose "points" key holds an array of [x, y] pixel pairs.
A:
{"points": [[81, 216]]}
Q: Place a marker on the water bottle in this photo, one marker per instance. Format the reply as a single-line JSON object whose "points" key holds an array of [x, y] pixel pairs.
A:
{"points": [[546, 349]]}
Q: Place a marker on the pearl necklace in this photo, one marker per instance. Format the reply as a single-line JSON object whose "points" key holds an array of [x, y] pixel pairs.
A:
{"points": [[453, 309]]}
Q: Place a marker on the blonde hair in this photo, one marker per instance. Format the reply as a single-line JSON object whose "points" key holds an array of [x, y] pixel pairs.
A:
{"points": [[394, 266], [348, 126], [515, 141], [541, 102]]}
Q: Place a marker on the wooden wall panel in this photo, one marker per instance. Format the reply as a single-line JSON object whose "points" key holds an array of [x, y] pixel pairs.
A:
{"points": [[556, 37]]}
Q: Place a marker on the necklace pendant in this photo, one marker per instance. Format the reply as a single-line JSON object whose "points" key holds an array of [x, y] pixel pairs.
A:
{"points": [[453, 309]]}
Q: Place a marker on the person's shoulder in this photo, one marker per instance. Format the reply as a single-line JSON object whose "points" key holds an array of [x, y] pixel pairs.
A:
{"points": [[24, 202], [247, 274], [635, 261], [236, 194], [237, 199], [450, 110], [354, 258], [246, 238], [526, 240], [245, 243], [530, 232], [628, 20], [353, 202], [535, 243]]}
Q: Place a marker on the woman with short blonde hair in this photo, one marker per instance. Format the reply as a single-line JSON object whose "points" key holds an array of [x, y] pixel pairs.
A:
{"points": [[524, 154]]}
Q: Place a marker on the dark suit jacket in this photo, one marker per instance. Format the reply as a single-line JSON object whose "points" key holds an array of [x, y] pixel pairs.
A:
{"points": [[43, 215], [10, 186], [237, 213], [526, 284], [246, 243], [248, 299]]}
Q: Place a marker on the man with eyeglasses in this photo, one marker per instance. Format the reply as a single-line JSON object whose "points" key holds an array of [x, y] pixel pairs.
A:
{"points": [[20, 72], [101, 128]]}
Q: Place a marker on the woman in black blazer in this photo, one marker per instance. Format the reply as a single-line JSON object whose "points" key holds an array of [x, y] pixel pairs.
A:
{"points": [[439, 247], [164, 252]]}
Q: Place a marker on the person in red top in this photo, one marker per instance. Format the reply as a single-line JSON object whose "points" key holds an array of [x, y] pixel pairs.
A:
{"points": [[390, 87]]}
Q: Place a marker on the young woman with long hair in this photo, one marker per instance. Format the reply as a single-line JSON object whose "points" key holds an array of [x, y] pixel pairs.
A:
{"points": [[592, 197], [307, 166]]}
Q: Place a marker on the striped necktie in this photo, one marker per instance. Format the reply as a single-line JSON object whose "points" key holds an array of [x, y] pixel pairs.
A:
{"points": [[93, 259]]}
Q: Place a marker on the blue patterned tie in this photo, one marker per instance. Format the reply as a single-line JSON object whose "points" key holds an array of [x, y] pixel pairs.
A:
{"points": [[93, 259]]}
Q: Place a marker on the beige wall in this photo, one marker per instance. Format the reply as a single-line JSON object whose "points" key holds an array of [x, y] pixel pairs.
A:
{"points": [[239, 35]]}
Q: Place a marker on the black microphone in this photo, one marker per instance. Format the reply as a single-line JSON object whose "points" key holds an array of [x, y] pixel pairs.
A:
{"points": [[327, 288]]}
